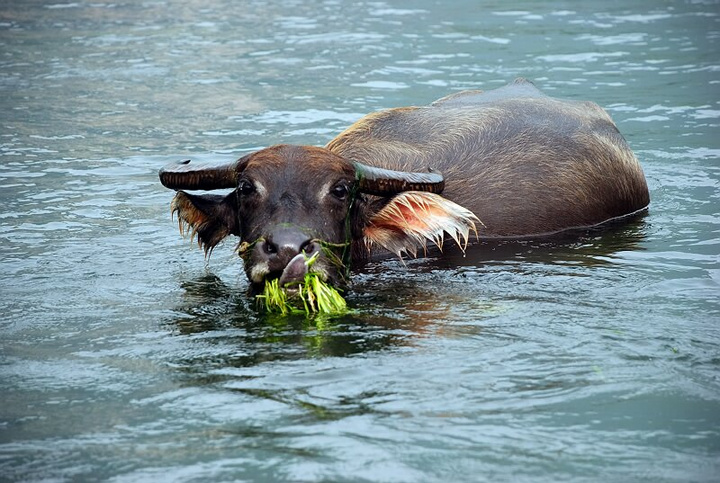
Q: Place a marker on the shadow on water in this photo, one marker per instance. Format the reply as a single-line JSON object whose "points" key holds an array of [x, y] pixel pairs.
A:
{"points": [[586, 247], [215, 313]]}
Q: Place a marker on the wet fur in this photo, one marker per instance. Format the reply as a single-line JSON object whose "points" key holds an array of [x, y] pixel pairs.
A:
{"points": [[411, 219], [524, 163], [198, 217]]}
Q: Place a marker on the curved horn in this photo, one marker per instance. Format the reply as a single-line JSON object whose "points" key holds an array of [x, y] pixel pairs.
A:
{"points": [[191, 176], [383, 182]]}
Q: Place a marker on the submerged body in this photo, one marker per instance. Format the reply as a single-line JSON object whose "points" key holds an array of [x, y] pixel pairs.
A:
{"points": [[526, 164], [505, 163]]}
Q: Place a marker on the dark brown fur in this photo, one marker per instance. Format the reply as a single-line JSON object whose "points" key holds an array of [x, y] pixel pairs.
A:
{"points": [[524, 163]]}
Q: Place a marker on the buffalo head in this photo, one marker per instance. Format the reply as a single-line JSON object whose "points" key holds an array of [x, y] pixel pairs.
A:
{"points": [[289, 203]]}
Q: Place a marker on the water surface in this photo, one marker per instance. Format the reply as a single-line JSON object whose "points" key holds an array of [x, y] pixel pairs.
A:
{"points": [[125, 356]]}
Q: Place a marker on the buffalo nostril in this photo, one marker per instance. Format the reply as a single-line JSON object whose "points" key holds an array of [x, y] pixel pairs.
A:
{"points": [[310, 247], [270, 248]]}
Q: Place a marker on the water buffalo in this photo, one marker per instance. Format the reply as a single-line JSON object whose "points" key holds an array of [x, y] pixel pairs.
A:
{"points": [[510, 162]]}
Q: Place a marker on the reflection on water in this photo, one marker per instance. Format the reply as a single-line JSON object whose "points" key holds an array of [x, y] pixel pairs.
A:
{"points": [[125, 356], [405, 308], [586, 247], [219, 312]]}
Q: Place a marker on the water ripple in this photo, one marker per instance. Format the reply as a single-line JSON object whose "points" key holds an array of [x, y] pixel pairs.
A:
{"points": [[126, 355]]}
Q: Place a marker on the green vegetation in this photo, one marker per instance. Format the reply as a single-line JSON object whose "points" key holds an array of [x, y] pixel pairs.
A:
{"points": [[311, 296]]}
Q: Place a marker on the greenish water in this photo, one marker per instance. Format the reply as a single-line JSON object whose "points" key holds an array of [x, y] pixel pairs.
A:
{"points": [[124, 356]]}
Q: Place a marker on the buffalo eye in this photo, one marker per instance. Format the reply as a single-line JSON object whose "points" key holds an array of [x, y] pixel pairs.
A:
{"points": [[340, 191], [245, 187]]}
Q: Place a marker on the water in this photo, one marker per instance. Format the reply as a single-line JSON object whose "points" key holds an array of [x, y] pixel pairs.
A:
{"points": [[126, 357]]}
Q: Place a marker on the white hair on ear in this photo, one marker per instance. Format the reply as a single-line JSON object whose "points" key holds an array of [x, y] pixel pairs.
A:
{"points": [[413, 218]]}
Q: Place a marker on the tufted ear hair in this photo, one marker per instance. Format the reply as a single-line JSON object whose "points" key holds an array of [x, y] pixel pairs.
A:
{"points": [[412, 218], [210, 218]]}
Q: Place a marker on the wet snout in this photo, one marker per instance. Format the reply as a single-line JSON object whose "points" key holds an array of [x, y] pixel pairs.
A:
{"points": [[282, 246]]}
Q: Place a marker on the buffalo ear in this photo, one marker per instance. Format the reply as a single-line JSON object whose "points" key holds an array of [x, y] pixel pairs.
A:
{"points": [[412, 218], [210, 218]]}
